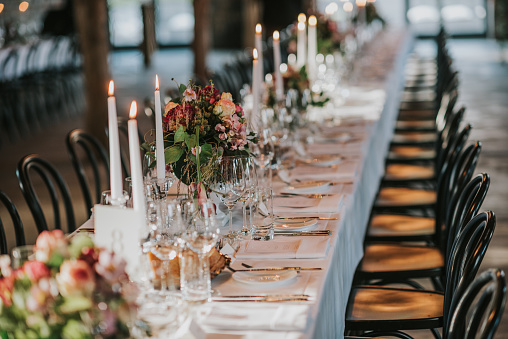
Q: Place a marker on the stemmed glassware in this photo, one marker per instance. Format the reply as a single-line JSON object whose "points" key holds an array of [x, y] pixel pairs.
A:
{"points": [[229, 184], [263, 152], [251, 182]]}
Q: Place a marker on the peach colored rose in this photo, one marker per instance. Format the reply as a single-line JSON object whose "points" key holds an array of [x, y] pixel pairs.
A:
{"points": [[224, 108], [226, 96], [169, 106], [75, 278], [49, 243]]}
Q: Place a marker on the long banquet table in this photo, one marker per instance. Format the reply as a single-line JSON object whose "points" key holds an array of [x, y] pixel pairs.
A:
{"points": [[371, 122], [368, 115]]}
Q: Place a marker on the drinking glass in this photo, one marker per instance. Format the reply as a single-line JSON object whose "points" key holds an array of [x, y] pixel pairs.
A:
{"points": [[263, 152], [262, 217], [106, 199], [22, 254], [251, 181], [229, 185], [199, 238]]}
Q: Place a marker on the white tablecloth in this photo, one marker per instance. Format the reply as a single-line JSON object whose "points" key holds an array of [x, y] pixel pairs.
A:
{"points": [[330, 287]]}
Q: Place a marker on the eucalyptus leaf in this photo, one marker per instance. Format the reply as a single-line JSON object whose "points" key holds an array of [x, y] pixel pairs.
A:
{"points": [[173, 154]]}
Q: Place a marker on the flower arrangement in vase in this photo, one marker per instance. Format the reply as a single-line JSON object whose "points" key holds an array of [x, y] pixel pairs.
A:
{"points": [[69, 289], [199, 127]]}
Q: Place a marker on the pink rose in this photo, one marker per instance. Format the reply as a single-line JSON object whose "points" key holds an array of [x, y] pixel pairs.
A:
{"points": [[189, 95], [49, 243], [36, 270], [75, 278]]}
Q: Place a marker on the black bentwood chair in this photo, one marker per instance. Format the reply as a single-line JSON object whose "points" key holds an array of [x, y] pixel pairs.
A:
{"points": [[374, 308], [55, 186], [16, 223], [476, 313], [96, 158]]}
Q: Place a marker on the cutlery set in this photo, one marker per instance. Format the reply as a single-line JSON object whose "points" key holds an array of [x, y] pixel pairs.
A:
{"points": [[262, 298], [304, 233]]}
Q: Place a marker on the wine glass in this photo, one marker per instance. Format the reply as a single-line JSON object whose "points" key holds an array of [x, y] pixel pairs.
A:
{"points": [[229, 184], [263, 152]]}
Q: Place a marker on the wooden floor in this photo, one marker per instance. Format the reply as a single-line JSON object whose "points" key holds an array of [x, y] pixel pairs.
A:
{"points": [[483, 90]]}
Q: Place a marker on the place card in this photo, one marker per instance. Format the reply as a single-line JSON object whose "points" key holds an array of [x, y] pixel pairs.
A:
{"points": [[118, 229]]}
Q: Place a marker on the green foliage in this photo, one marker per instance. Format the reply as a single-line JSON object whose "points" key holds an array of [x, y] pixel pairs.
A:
{"points": [[173, 154]]}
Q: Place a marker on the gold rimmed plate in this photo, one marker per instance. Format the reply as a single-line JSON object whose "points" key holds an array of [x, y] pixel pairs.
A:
{"points": [[265, 278], [304, 224]]}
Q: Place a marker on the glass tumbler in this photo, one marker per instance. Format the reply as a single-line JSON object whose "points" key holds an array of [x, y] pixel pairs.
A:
{"points": [[262, 216]]}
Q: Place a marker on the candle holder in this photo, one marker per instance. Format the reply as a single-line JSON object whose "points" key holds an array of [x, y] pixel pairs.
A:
{"points": [[107, 199]]}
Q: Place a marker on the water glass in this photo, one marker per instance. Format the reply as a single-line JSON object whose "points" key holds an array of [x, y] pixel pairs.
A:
{"points": [[262, 217], [106, 199], [156, 188], [22, 254]]}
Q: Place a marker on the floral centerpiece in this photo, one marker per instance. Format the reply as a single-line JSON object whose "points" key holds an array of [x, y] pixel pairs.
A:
{"points": [[70, 289], [199, 127], [329, 38]]}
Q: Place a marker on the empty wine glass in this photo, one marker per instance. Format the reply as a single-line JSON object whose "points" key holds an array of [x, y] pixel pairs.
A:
{"points": [[263, 152], [251, 182], [229, 185]]}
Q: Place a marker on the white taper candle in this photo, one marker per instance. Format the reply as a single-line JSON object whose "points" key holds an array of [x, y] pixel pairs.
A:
{"points": [[159, 138], [115, 167]]}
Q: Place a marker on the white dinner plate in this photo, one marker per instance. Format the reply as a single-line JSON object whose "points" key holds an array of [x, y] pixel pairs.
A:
{"points": [[294, 224], [265, 278], [324, 161]]}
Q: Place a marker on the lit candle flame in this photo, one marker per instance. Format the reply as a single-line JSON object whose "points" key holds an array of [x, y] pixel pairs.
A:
{"points": [[301, 17], [361, 3], [134, 110], [259, 29], [1, 7], [301, 26], [255, 54], [156, 82], [111, 90], [348, 7], [23, 6], [312, 20], [275, 35]]}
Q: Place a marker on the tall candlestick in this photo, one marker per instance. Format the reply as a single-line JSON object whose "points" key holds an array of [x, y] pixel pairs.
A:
{"points": [[259, 46], [255, 87], [279, 86], [115, 169], [159, 139], [138, 193], [312, 49], [301, 41]]}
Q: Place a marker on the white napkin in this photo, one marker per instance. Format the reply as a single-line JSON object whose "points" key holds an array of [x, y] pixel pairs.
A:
{"points": [[344, 169], [256, 317], [306, 248], [331, 204]]}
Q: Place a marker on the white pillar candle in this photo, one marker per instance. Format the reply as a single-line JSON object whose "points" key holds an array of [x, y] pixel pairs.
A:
{"points": [[259, 46], [115, 167], [279, 86], [301, 41], [312, 49], [159, 138], [255, 86], [138, 194]]}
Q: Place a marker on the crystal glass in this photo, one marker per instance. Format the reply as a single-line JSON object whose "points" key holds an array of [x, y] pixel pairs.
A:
{"points": [[263, 152], [106, 199], [22, 254], [251, 182], [229, 185], [156, 188], [262, 217]]}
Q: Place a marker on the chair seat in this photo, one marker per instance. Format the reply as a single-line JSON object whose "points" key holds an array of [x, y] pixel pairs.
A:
{"points": [[404, 172], [417, 114], [418, 105], [429, 124], [414, 137], [406, 197], [392, 225], [393, 258], [411, 152], [387, 308]]}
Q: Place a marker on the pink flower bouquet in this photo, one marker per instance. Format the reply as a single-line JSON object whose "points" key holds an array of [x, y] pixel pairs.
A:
{"points": [[70, 289]]}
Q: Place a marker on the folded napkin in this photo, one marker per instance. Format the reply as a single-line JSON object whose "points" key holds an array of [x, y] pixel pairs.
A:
{"points": [[326, 204], [344, 169], [307, 248], [254, 317]]}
